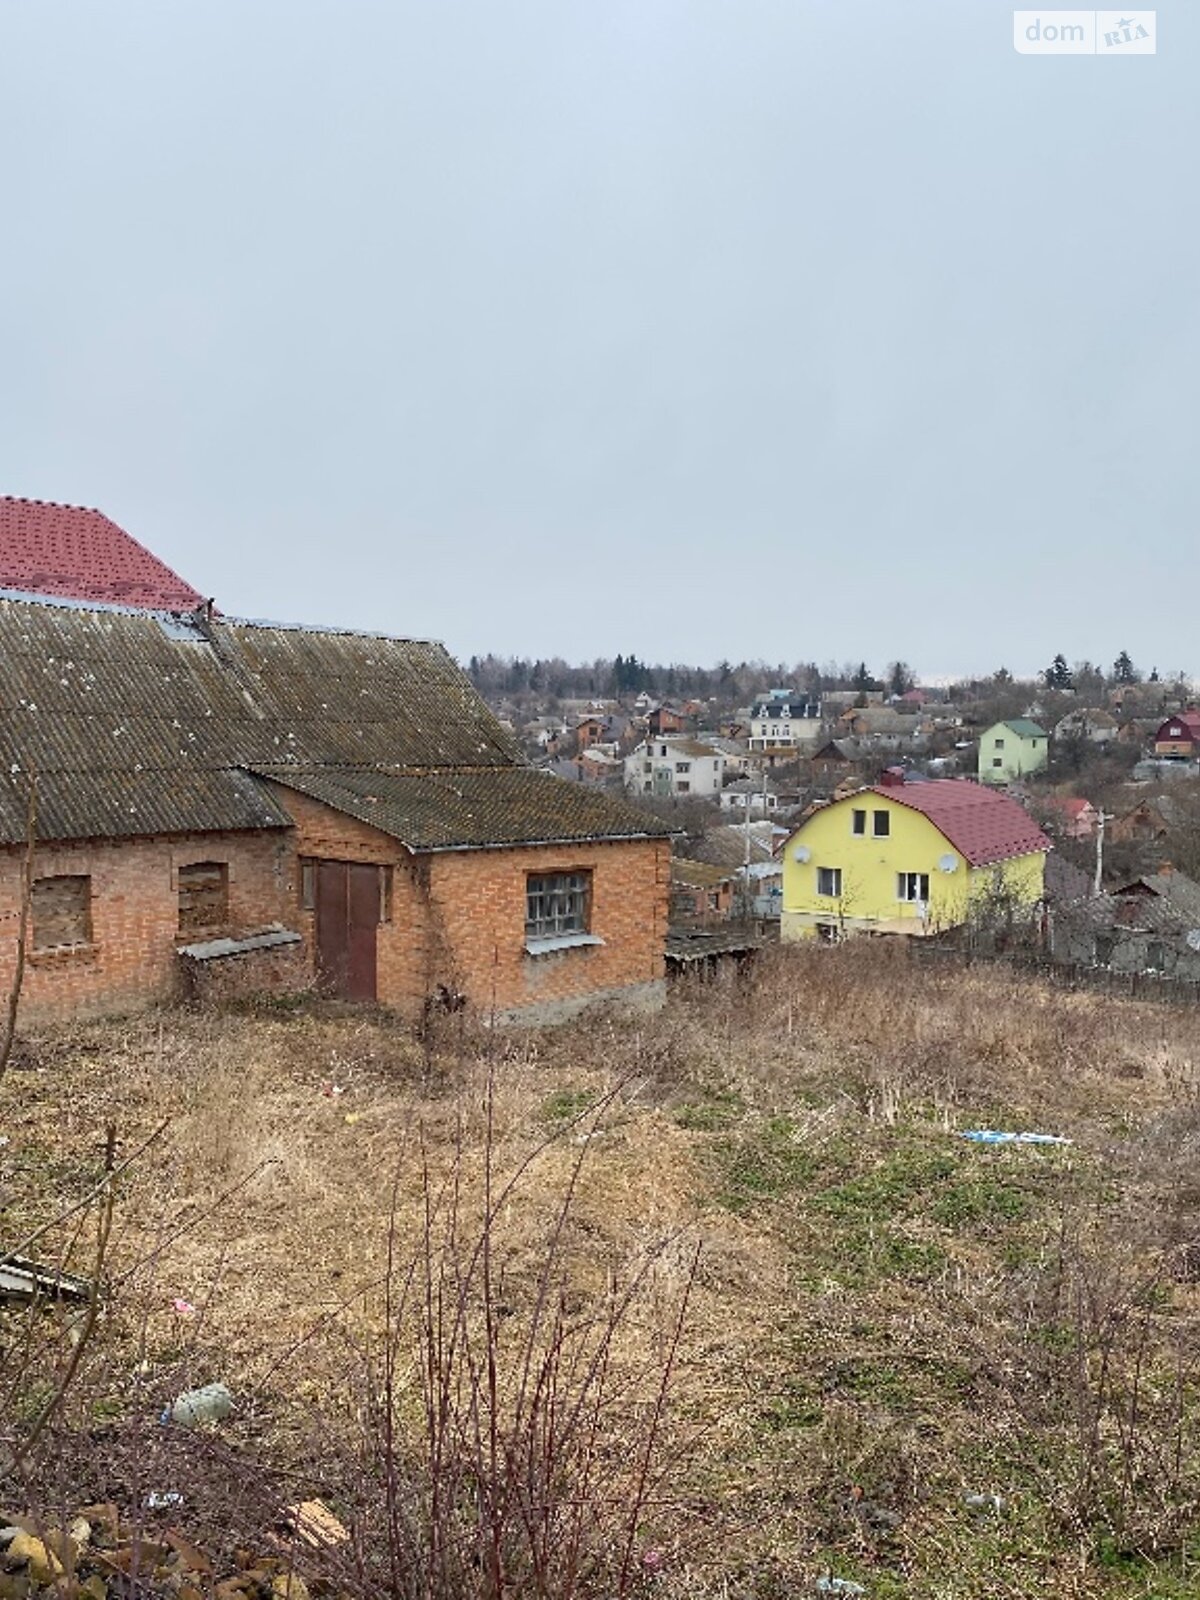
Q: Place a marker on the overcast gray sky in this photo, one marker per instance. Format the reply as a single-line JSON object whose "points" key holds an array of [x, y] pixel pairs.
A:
{"points": [[694, 328]]}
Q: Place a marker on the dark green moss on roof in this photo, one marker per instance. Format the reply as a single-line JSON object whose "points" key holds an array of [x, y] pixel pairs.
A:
{"points": [[136, 728], [458, 809]]}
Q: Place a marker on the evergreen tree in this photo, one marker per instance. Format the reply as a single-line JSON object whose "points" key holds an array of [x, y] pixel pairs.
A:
{"points": [[900, 678], [1058, 674], [1123, 669]]}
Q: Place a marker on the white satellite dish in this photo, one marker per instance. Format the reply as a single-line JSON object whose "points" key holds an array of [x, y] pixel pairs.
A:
{"points": [[948, 864], [801, 853], [1193, 939]]}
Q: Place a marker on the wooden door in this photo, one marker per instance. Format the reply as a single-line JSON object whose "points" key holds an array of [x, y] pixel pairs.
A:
{"points": [[347, 915]]}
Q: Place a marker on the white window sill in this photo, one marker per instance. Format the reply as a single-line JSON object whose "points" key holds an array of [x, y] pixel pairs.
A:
{"points": [[562, 941]]}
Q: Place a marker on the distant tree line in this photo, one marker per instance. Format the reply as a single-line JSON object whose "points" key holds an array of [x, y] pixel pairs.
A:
{"points": [[625, 675], [622, 676]]}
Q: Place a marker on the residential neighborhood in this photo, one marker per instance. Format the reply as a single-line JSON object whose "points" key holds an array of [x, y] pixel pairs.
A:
{"points": [[599, 802], [296, 805]]}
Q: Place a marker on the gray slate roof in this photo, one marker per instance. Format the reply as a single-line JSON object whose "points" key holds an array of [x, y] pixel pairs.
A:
{"points": [[139, 724]]}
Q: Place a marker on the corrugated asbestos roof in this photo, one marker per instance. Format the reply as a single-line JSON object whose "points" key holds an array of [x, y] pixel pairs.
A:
{"points": [[456, 809], [80, 554], [139, 725]]}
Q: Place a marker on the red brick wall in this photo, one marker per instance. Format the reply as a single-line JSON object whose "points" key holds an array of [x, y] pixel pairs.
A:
{"points": [[458, 917], [135, 916]]}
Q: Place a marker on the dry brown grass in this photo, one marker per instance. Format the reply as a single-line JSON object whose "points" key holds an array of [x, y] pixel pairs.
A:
{"points": [[878, 1303]]}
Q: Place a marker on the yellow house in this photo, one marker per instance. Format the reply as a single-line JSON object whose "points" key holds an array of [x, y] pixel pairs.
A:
{"points": [[909, 858]]}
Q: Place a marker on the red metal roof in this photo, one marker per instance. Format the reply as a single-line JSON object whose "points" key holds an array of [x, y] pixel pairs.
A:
{"points": [[1188, 720], [78, 554], [982, 825]]}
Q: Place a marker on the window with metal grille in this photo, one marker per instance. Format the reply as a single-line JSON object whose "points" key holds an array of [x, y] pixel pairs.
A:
{"points": [[62, 912], [557, 903], [203, 896]]}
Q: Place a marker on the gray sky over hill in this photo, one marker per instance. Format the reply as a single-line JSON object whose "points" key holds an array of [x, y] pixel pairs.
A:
{"points": [[693, 328]]}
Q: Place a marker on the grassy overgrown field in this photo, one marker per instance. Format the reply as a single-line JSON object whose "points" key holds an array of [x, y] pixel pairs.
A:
{"points": [[884, 1320]]}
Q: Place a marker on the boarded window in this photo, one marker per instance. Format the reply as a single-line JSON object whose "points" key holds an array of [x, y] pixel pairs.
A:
{"points": [[308, 885], [557, 903], [203, 896], [62, 912]]}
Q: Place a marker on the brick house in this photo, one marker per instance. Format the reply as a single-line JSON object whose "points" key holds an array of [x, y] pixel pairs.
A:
{"points": [[239, 806], [1179, 736]]}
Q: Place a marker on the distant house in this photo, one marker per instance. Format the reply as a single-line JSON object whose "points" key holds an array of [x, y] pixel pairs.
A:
{"points": [[1070, 816], [1138, 730], [603, 729], [1149, 822], [764, 879], [882, 727], [737, 761], [665, 719], [1150, 925], [909, 858], [1092, 724], [700, 892], [671, 767], [749, 795], [593, 766], [831, 756], [782, 721], [734, 845], [1178, 738], [1012, 750]]}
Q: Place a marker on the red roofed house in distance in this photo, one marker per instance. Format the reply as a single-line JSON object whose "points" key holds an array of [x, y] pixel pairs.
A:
{"points": [[909, 857]]}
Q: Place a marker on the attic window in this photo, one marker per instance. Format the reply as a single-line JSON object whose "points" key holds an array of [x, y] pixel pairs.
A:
{"points": [[859, 822], [62, 912], [882, 824], [203, 896]]}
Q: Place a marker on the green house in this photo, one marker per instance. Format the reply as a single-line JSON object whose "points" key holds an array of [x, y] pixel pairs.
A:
{"points": [[1011, 750]]}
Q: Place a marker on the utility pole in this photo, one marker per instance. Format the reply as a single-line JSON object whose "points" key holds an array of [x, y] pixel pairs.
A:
{"points": [[1103, 818]]}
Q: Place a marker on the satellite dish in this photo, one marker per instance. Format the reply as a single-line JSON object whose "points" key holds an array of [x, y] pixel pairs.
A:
{"points": [[801, 853], [1193, 939], [948, 864]]}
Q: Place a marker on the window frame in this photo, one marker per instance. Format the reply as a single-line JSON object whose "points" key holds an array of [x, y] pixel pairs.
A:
{"points": [[908, 880], [575, 885], [833, 875], [858, 823], [884, 832]]}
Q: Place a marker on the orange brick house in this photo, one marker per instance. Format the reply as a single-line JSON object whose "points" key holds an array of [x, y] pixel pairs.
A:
{"points": [[233, 806]]}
